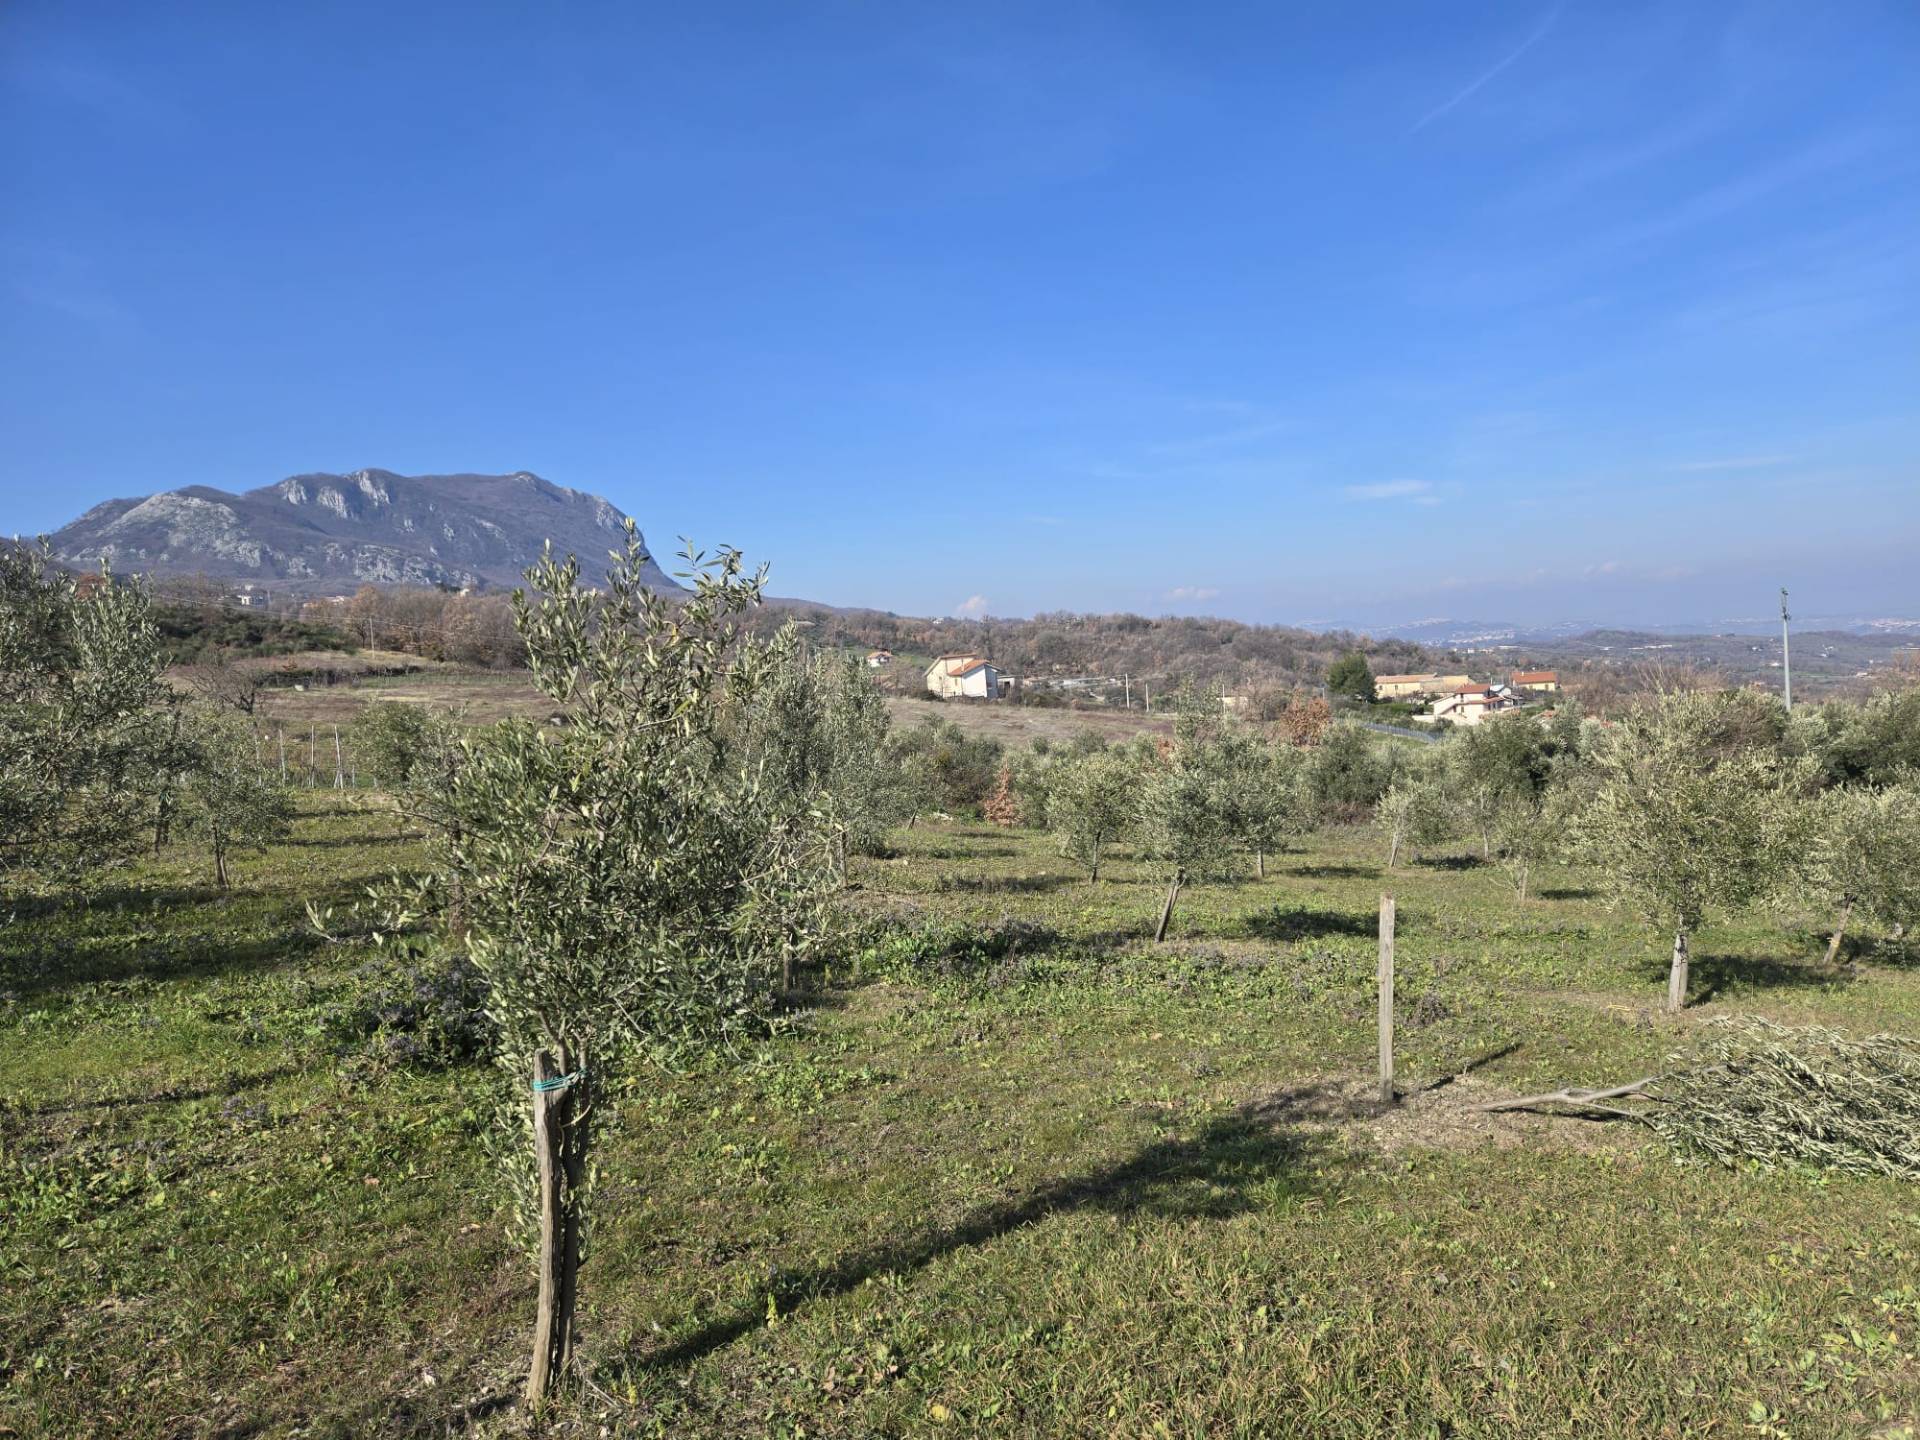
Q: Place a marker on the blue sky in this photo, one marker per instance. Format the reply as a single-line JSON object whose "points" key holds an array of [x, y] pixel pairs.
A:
{"points": [[1284, 312]]}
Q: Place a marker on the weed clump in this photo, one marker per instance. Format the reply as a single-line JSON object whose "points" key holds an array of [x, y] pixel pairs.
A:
{"points": [[426, 1013]]}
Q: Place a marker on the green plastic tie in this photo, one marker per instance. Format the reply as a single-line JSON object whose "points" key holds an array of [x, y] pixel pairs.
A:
{"points": [[557, 1082]]}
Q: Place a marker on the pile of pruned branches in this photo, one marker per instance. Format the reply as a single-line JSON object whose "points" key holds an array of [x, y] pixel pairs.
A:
{"points": [[1780, 1095]]}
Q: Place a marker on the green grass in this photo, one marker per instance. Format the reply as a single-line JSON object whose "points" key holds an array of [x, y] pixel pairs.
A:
{"points": [[1021, 1174]]}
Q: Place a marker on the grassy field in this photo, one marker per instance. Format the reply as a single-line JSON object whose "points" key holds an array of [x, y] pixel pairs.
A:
{"points": [[483, 696], [1012, 1171]]}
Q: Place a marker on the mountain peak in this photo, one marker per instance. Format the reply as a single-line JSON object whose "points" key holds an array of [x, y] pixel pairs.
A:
{"points": [[324, 532]]}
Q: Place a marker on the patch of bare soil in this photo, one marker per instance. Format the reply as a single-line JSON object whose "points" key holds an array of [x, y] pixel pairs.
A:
{"points": [[1446, 1116]]}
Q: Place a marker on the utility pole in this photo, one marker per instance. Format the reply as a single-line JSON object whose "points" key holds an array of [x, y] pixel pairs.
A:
{"points": [[1127, 681], [1786, 652]]}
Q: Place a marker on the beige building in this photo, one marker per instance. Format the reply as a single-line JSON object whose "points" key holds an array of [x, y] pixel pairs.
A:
{"points": [[964, 677], [1412, 687], [1400, 687], [1538, 682]]}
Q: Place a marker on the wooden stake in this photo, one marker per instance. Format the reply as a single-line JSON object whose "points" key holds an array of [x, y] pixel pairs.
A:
{"points": [[1386, 999], [1677, 975], [559, 1138], [1166, 911], [339, 764]]}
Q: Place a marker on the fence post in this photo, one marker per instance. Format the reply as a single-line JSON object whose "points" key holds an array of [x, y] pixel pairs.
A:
{"points": [[1386, 999]]}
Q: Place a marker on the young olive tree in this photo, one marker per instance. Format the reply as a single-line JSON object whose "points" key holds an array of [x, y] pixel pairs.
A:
{"points": [[817, 727], [1186, 816], [414, 753], [1497, 767], [1091, 803], [1415, 813], [1866, 856], [628, 882], [1529, 832], [1682, 819], [79, 694], [1266, 793], [870, 794], [232, 801], [1344, 776]]}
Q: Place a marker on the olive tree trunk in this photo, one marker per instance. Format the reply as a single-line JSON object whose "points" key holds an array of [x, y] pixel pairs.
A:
{"points": [[1677, 975], [560, 1145]]}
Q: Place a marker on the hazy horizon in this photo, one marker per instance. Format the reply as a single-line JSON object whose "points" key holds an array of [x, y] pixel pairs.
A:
{"points": [[1533, 313]]}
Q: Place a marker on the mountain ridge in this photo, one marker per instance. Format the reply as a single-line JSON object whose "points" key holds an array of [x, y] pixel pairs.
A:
{"points": [[319, 531]]}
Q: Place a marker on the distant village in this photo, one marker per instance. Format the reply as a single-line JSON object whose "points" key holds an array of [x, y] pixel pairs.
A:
{"points": [[1455, 699], [1459, 700]]}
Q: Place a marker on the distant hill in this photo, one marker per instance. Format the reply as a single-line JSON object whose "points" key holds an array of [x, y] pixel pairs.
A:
{"points": [[320, 533], [1483, 633]]}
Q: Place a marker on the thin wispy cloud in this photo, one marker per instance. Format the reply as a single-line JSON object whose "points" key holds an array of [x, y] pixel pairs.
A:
{"points": [[1418, 491], [1190, 593], [972, 606], [1225, 438], [1474, 87], [1734, 462], [92, 308]]}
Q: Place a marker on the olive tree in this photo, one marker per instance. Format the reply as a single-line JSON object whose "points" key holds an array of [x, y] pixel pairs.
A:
{"points": [[1091, 803], [628, 884], [1529, 832], [1500, 765], [1344, 776], [817, 727], [1186, 816], [870, 794], [79, 695], [232, 802], [1414, 813], [1866, 856], [414, 753], [1682, 817], [1266, 793]]}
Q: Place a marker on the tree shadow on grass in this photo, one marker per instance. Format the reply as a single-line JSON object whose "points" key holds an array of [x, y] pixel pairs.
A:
{"points": [[1338, 872], [107, 963], [1281, 922], [356, 842], [1452, 862], [1714, 976], [1233, 1165], [1010, 884], [218, 945], [175, 1095], [1574, 892], [142, 899], [956, 852]]}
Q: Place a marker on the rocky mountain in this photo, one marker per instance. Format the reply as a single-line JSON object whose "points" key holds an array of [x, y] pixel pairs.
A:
{"points": [[325, 533]]}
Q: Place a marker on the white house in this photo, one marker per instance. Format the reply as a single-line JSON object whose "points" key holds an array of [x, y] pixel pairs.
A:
{"points": [[1470, 704], [877, 659], [964, 677]]}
